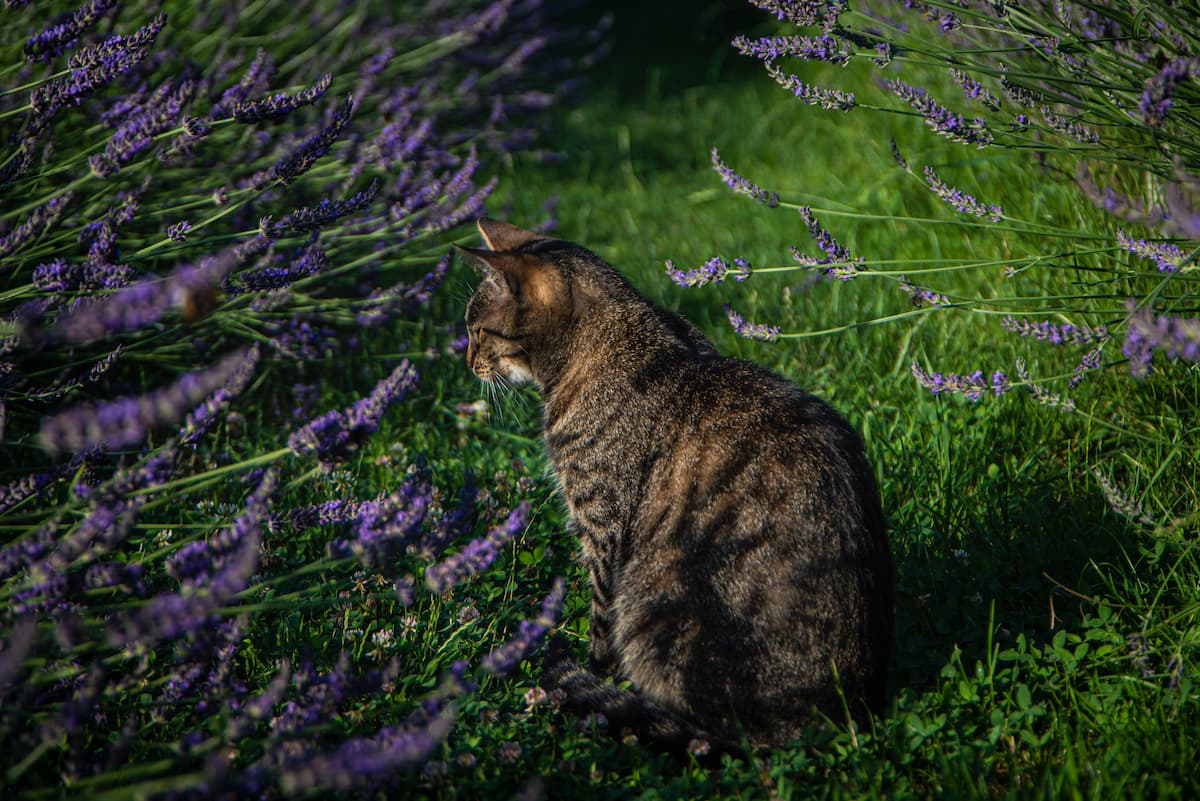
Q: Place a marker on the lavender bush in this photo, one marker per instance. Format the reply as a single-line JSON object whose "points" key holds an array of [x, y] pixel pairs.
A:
{"points": [[1098, 95], [206, 208]]}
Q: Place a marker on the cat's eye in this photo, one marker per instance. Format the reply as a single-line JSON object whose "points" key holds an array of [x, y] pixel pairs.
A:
{"points": [[494, 333]]}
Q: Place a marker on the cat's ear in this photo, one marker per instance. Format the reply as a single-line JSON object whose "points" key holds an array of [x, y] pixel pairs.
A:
{"points": [[524, 275], [504, 236]]}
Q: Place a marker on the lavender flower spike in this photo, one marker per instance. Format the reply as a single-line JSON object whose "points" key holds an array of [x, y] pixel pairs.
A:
{"points": [[52, 41], [714, 271], [1166, 256], [768, 333], [1178, 337], [941, 119], [478, 554], [530, 633], [280, 105], [297, 162], [740, 184], [970, 386], [335, 433], [829, 99], [126, 421], [961, 200]]}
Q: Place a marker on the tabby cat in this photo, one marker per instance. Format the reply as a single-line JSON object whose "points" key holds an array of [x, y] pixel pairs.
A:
{"points": [[729, 522]]}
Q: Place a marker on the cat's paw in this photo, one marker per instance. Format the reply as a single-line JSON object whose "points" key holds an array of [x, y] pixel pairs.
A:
{"points": [[557, 662]]}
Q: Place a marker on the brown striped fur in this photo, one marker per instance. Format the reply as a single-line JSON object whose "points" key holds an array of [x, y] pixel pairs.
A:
{"points": [[729, 522]]}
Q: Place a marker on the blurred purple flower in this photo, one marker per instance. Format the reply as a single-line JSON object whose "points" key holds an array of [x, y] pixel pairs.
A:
{"points": [[743, 327], [40, 220], [403, 298], [975, 90], [148, 300], [478, 554], [530, 633], [306, 261], [804, 12], [1178, 337], [63, 32], [810, 48], [199, 420], [1159, 93], [253, 82], [1165, 255], [334, 434], [386, 525], [126, 421]]}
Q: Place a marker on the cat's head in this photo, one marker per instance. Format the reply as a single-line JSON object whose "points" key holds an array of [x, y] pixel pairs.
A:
{"points": [[524, 301]]}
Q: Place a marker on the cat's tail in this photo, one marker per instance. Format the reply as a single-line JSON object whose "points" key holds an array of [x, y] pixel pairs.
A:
{"points": [[586, 693]]}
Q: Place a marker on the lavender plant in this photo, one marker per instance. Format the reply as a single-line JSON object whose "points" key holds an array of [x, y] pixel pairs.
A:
{"points": [[194, 230]]}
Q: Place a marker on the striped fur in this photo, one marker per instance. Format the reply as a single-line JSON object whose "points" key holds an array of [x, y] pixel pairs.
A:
{"points": [[729, 522]]}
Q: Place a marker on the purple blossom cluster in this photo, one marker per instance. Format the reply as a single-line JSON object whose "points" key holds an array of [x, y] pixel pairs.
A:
{"points": [[945, 122], [529, 636], [972, 386], [1159, 93], [745, 328], [960, 200], [742, 185], [65, 30], [921, 295], [975, 90], [477, 554], [128, 420], [1166, 257], [830, 99], [824, 13], [1055, 333], [334, 434], [826, 47], [713, 271], [279, 105], [1177, 337], [838, 260]]}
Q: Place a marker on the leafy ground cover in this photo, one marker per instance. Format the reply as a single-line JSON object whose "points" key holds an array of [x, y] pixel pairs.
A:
{"points": [[1048, 584]]}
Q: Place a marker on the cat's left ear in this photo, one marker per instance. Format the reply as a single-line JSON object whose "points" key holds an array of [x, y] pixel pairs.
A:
{"points": [[525, 276], [504, 236]]}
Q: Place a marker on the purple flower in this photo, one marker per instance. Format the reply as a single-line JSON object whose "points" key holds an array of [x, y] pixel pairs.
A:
{"points": [[975, 90], [403, 298], [838, 261], [810, 48], [312, 218], [177, 232], [804, 12], [478, 554], [127, 421], [55, 39], [91, 68], [1165, 255], [830, 99], [1107, 198], [1089, 362], [297, 162], [768, 333], [254, 81], [308, 260], [715, 270], [385, 525], [1055, 333], [339, 510], [159, 113], [941, 119], [201, 419], [233, 560], [1069, 127], [361, 759], [961, 200], [1178, 337], [921, 295], [335, 433], [530, 633], [39, 221], [147, 301], [279, 105], [741, 185], [970, 386], [1159, 93]]}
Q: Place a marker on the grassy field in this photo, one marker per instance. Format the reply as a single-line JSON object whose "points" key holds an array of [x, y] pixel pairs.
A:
{"points": [[1046, 645]]}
